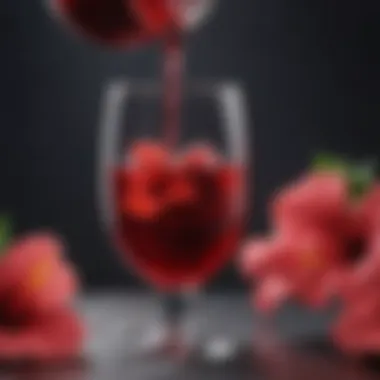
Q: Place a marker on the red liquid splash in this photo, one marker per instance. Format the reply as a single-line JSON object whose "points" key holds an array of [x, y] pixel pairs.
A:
{"points": [[177, 220]]}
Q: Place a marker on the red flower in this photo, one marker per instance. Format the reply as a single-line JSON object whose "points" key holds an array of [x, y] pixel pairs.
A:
{"points": [[36, 286], [326, 243]]}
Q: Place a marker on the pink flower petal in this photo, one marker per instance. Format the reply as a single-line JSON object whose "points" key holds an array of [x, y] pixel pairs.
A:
{"points": [[315, 296], [316, 198], [330, 283], [59, 290], [261, 257], [59, 337], [23, 253], [364, 339], [271, 293], [367, 271]]}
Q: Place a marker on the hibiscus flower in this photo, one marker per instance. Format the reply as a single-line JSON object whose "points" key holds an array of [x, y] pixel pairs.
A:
{"points": [[37, 285], [319, 231]]}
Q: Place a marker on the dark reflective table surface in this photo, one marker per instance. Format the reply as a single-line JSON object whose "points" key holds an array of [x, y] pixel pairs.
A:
{"points": [[116, 322]]}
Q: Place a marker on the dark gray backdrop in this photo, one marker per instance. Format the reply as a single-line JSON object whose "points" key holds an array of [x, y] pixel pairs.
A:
{"points": [[311, 69]]}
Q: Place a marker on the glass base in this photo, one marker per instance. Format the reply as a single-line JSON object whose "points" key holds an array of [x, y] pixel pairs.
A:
{"points": [[160, 344], [211, 352]]}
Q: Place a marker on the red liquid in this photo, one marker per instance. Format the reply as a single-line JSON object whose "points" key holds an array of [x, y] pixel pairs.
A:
{"points": [[117, 22], [174, 68], [177, 224]]}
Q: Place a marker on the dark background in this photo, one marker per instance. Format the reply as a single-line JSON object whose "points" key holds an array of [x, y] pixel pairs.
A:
{"points": [[310, 67]]}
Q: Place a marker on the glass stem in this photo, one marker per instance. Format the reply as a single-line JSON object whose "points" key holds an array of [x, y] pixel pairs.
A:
{"points": [[174, 307], [179, 340]]}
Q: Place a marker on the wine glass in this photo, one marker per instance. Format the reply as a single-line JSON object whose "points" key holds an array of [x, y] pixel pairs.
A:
{"points": [[173, 200]]}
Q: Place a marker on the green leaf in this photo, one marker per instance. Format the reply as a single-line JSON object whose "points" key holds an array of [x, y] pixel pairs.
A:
{"points": [[5, 232], [330, 162], [361, 176]]}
